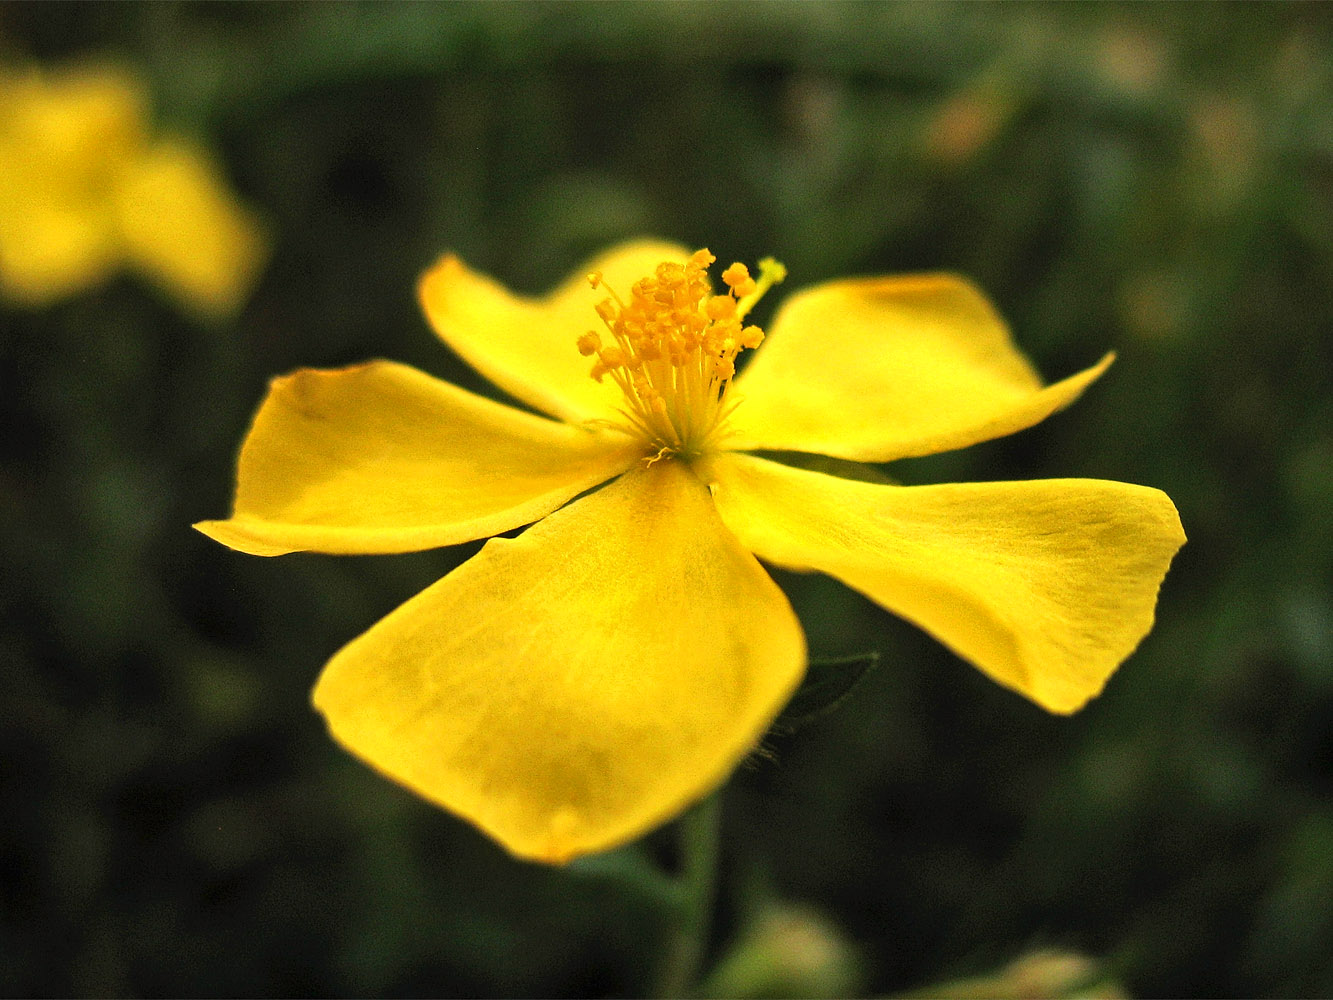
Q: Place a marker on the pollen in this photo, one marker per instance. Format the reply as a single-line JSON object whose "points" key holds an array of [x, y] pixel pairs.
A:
{"points": [[673, 346]]}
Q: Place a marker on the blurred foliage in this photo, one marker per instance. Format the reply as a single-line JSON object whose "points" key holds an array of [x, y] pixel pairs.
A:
{"points": [[1147, 178]]}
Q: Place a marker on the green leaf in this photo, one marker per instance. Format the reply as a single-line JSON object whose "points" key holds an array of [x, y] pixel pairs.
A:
{"points": [[827, 685], [631, 870]]}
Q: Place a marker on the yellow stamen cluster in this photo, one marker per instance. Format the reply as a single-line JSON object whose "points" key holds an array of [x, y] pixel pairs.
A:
{"points": [[673, 348]]}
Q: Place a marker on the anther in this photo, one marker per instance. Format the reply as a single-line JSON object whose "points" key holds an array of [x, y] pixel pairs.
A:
{"points": [[737, 278], [721, 307]]}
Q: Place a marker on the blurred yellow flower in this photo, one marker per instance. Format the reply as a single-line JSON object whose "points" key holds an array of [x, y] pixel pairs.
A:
{"points": [[85, 190], [568, 689]]}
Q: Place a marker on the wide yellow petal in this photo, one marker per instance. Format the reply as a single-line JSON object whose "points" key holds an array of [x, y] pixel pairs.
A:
{"points": [[527, 346], [384, 458], [877, 369], [569, 689], [77, 125], [49, 251], [1047, 586], [185, 229], [64, 138]]}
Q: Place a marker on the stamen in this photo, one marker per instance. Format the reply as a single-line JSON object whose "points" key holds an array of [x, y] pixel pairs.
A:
{"points": [[771, 272], [674, 347]]}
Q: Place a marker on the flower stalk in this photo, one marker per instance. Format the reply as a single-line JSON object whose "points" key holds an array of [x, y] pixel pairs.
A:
{"points": [[700, 833]]}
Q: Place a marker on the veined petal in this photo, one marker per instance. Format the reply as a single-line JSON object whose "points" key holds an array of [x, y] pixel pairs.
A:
{"points": [[384, 458], [528, 346], [185, 229], [1047, 586], [877, 369], [571, 688]]}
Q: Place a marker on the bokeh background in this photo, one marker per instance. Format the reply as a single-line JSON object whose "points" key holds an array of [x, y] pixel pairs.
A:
{"points": [[1153, 179]]}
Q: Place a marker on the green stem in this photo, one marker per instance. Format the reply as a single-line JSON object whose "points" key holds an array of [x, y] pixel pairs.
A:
{"points": [[700, 834]]}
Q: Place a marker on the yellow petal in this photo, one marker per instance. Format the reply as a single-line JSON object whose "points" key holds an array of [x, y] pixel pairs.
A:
{"points": [[64, 138], [185, 229], [1047, 586], [77, 125], [383, 458], [49, 251], [570, 689], [528, 346], [885, 368]]}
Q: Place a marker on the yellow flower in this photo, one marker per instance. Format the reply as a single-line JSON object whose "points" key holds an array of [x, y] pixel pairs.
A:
{"points": [[568, 689], [83, 192]]}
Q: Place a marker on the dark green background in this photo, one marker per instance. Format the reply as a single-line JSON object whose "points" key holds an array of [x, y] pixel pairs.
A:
{"points": [[1153, 179]]}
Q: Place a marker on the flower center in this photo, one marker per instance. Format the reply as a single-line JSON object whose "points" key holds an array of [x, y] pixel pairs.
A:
{"points": [[673, 349]]}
